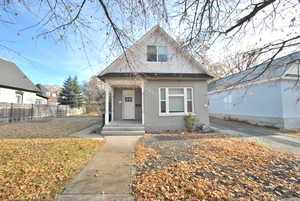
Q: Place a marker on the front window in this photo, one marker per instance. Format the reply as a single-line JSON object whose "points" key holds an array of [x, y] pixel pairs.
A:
{"points": [[157, 53], [176, 100]]}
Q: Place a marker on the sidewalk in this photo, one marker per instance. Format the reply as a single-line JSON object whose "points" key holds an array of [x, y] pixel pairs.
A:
{"points": [[87, 133], [108, 175]]}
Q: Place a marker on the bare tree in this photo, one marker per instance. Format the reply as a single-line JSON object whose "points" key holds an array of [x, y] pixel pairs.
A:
{"points": [[94, 95], [93, 91], [205, 22]]}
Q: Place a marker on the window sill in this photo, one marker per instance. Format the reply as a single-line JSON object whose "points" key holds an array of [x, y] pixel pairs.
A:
{"points": [[175, 114]]}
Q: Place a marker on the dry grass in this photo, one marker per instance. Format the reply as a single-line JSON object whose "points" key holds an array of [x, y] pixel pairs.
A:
{"points": [[47, 128], [39, 169]]}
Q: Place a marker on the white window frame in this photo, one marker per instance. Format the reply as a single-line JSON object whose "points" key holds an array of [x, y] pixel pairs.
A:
{"points": [[167, 113], [157, 53], [21, 98]]}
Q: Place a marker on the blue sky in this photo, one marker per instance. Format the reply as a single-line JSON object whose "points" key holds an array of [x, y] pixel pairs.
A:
{"points": [[47, 61], [51, 61]]}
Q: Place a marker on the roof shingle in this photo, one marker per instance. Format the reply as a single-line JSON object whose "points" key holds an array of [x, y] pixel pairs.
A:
{"points": [[12, 77]]}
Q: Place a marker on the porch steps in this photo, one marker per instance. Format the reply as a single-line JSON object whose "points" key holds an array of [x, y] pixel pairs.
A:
{"points": [[110, 128], [123, 129]]}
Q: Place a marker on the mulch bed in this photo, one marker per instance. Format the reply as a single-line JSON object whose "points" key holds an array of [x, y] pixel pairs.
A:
{"points": [[214, 167]]}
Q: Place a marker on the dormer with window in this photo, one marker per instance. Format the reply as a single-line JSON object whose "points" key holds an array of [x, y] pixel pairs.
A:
{"points": [[157, 53]]}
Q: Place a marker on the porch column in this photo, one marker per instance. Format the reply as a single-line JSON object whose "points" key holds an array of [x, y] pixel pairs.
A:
{"points": [[143, 112], [106, 104], [112, 103]]}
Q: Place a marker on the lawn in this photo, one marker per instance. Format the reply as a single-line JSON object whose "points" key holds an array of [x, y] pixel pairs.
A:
{"points": [[39, 169], [47, 128], [38, 158], [195, 167]]}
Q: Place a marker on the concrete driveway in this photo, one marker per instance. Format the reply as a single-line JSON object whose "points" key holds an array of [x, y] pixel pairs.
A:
{"points": [[268, 137]]}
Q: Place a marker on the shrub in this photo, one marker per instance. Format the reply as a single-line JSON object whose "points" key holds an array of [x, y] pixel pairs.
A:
{"points": [[190, 122]]}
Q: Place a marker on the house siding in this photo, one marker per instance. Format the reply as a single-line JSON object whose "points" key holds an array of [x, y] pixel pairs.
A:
{"points": [[138, 103], [155, 123], [272, 103], [290, 94], [9, 96], [117, 104]]}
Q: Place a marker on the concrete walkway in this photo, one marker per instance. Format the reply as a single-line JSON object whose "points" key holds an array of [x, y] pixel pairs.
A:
{"points": [[264, 136], [108, 175], [88, 133]]}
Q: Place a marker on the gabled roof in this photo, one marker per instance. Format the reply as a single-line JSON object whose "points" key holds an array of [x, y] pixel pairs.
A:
{"points": [[276, 70], [42, 91], [12, 77], [119, 66]]}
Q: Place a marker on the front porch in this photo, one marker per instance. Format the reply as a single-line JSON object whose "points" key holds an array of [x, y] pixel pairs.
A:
{"points": [[125, 122], [124, 107], [123, 127]]}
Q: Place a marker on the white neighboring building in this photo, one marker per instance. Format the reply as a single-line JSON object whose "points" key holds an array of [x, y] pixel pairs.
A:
{"points": [[15, 87]]}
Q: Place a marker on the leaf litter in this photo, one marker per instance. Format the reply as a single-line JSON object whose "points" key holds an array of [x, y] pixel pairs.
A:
{"points": [[180, 167]]}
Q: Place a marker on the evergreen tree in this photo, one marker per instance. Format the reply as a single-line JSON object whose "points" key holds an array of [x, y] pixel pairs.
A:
{"points": [[71, 93], [78, 98]]}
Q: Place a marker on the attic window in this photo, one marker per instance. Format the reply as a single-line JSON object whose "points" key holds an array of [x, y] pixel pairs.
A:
{"points": [[157, 53]]}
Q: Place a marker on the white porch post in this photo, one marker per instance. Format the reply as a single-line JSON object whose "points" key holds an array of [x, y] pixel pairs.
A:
{"points": [[143, 112], [106, 104], [112, 103]]}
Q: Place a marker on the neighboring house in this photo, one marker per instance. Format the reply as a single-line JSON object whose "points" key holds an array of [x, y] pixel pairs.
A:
{"points": [[15, 87], [51, 92], [272, 99], [41, 99], [43, 94], [161, 85]]}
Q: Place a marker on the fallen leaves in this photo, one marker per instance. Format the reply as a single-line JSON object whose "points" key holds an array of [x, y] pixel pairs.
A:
{"points": [[39, 169], [145, 155], [214, 169]]}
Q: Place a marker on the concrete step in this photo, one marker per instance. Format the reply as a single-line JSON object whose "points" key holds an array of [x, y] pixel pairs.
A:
{"points": [[122, 132], [109, 128], [123, 125]]}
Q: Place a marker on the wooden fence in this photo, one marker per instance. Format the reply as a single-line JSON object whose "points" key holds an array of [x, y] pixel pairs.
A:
{"points": [[26, 112]]}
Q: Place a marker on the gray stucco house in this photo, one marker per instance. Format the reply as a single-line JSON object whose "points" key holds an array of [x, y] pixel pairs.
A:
{"points": [[160, 85], [272, 99]]}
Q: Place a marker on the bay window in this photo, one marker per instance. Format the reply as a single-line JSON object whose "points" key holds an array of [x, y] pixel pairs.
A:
{"points": [[175, 100]]}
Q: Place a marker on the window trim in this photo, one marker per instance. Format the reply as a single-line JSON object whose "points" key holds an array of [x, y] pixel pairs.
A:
{"points": [[167, 113], [157, 53], [21, 98]]}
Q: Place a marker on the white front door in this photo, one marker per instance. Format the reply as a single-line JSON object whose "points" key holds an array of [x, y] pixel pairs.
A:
{"points": [[128, 104]]}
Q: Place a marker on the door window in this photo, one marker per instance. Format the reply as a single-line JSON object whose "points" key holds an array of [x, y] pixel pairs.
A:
{"points": [[128, 99]]}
